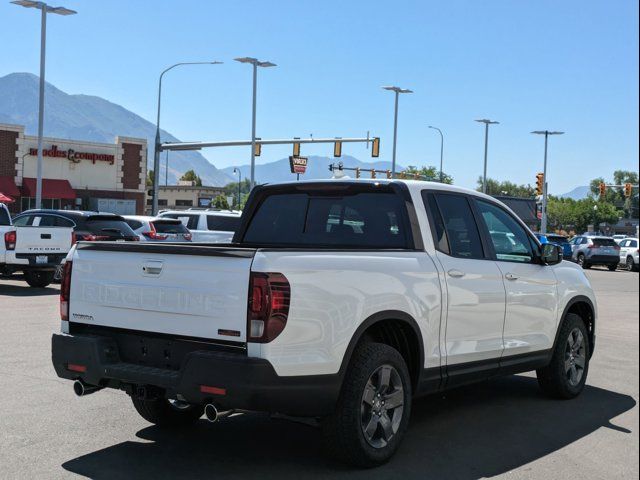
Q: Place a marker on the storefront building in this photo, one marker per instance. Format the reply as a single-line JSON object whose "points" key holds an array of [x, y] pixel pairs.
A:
{"points": [[185, 195], [82, 175]]}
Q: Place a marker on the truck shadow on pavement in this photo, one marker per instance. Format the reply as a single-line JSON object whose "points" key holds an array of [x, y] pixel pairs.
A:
{"points": [[470, 433], [25, 290]]}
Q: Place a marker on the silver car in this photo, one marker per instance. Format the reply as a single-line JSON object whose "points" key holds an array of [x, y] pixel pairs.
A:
{"points": [[156, 229], [594, 250]]}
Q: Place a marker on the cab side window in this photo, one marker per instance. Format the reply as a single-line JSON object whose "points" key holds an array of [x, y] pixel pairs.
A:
{"points": [[455, 230], [510, 240]]}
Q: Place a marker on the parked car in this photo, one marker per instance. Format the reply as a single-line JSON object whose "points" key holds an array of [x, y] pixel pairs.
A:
{"points": [[36, 249], [156, 229], [618, 238], [559, 240], [88, 226], [629, 253], [587, 251], [338, 300], [209, 226]]}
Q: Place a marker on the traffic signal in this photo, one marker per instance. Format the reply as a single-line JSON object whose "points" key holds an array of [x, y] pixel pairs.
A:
{"points": [[628, 189], [373, 173], [388, 173], [258, 149], [540, 183], [358, 172], [375, 147], [603, 190], [337, 149], [296, 149]]}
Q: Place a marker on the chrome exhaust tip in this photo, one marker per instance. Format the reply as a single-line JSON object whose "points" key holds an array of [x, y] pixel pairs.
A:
{"points": [[211, 412], [81, 389]]}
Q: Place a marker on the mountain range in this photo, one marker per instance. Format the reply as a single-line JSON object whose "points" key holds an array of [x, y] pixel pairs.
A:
{"points": [[92, 118]]}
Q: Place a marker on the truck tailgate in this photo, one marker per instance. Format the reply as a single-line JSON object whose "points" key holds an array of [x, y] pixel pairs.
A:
{"points": [[43, 240], [185, 290]]}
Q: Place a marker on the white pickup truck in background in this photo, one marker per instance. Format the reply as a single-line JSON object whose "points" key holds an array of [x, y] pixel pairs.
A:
{"points": [[339, 300], [36, 251]]}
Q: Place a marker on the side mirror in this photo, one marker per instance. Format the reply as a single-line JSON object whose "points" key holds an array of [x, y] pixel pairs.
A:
{"points": [[550, 254]]}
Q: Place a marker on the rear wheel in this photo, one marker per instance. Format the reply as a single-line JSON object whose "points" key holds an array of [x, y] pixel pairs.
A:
{"points": [[566, 375], [583, 261], [167, 413], [38, 278], [373, 410], [630, 264], [613, 267]]}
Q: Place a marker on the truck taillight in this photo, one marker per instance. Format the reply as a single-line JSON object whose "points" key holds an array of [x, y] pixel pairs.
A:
{"points": [[65, 290], [269, 298], [10, 239]]}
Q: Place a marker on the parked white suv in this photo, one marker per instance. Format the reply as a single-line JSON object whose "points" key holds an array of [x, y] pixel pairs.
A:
{"points": [[208, 226], [339, 300], [629, 253]]}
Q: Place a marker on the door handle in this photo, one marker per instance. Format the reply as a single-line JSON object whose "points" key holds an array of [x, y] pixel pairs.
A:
{"points": [[455, 273], [510, 276]]}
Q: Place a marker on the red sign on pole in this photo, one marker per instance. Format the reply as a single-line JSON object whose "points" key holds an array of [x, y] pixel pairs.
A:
{"points": [[298, 164]]}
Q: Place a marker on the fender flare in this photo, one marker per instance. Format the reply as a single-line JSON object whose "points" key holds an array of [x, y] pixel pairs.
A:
{"points": [[384, 315], [571, 303]]}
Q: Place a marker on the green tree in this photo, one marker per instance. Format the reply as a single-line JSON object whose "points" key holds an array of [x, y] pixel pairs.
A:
{"points": [[495, 187], [429, 173], [568, 214], [190, 176], [220, 202]]}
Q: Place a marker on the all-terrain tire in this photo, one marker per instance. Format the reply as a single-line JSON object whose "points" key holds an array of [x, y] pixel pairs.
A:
{"points": [[161, 412], [556, 379], [344, 430]]}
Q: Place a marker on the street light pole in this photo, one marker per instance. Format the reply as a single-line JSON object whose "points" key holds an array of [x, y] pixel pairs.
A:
{"points": [[255, 63], [543, 221], [156, 150], [397, 91], [441, 150], [44, 9], [239, 184], [486, 148]]}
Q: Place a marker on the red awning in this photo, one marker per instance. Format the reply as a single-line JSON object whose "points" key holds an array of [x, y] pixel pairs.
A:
{"points": [[51, 188], [8, 188]]}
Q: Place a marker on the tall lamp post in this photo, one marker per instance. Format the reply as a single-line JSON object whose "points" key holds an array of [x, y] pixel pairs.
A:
{"points": [[44, 9], [237, 170], [397, 91], [486, 147], [441, 150], [156, 151], [255, 63], [546, 133]]}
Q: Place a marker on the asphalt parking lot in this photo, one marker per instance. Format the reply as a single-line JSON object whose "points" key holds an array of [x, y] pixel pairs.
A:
{"points": [[502, 428]]}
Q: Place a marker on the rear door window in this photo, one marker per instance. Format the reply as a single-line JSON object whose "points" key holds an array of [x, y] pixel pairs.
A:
{"points": [[361, 220], [463, 237], [223, 223]]}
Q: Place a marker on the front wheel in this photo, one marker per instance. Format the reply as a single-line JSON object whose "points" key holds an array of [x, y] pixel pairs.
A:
{"points": [[372, 414], [566, 375], [631, 265], [167, 413], [38, 278]]}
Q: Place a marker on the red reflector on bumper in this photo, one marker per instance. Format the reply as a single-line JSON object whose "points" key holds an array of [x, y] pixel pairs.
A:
{"points": [[76, 368], [213, 390]]}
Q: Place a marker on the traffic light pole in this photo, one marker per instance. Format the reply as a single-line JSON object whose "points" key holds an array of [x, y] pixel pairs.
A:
{"points": [[543, 222]]}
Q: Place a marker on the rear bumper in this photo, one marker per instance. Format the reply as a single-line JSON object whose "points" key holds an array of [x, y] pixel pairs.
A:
{"points": [[248, 383], [28, 261], [603, 259]]}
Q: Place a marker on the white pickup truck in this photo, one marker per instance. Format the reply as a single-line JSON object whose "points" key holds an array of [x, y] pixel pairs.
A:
{"points": [[34, 250], [339, 300]]}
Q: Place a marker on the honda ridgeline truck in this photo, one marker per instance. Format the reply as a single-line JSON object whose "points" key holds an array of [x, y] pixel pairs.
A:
{"points": [[340, 300]]}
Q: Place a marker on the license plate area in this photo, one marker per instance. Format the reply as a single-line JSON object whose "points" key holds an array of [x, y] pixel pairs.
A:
{"points": [[40, 259]]}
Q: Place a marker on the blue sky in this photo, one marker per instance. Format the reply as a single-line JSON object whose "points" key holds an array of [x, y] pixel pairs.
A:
{"points": [[570, 65]]}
